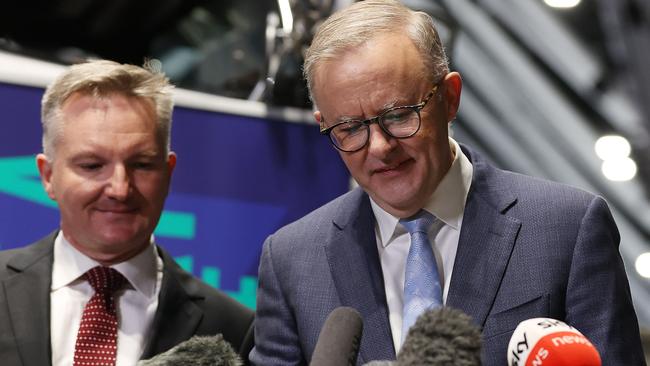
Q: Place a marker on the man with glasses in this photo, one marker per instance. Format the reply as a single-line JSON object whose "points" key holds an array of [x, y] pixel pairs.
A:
{"points": [[432, 223]]}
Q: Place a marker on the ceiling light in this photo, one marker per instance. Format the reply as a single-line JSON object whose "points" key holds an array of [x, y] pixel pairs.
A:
{"points": [[287, 16], [619, 170], [612, 147], [642, 265], [562, 3]]}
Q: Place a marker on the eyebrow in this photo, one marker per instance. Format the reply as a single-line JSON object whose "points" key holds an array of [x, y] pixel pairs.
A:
{"points": [[81, 155], [394, 103], [342, 119], [147, 154]]}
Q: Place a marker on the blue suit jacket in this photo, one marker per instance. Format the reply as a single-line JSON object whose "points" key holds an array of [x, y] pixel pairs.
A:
{"points": [[528, 248]]}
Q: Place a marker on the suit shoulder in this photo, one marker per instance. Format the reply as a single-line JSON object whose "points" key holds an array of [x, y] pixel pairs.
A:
{"points": [[339, 208], [19, 259], [505, 185], [533, 188], [219, 312], [208, 297], [218, 300], [6, 256], [301, 238]]}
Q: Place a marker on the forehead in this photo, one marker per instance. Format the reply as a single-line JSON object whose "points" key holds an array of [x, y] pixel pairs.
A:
{"points": [[79, 103], [386, 67], [113, 121]]}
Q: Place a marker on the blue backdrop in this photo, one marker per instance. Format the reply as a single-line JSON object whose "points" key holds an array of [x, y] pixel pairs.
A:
{"points": [[237, 180]]}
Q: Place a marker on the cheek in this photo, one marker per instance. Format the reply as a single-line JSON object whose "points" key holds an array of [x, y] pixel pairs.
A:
{"points": [[418, 147], [153, 188], [430, 139], [354, 162], [77, 191]]}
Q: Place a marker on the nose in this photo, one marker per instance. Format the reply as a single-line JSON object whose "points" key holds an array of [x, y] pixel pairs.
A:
{"points": [[119, 184], [379, 143]]}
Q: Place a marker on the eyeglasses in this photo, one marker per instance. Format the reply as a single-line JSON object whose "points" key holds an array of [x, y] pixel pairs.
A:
{"points": [[398, 122]]}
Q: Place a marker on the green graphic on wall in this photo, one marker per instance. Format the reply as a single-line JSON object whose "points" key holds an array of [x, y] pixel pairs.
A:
{"points": [[212, 276], [20, 179]]}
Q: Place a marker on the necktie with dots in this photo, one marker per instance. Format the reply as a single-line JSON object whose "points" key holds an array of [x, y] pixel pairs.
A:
{"points": [[97, 337], [422, 287]]}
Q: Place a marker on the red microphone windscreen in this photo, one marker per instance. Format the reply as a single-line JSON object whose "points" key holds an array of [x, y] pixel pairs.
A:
{"points": [[550, 342]]}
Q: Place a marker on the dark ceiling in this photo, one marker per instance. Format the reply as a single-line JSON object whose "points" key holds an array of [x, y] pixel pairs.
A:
{"points": [[222, 46], [213, 46], [119, 29]]}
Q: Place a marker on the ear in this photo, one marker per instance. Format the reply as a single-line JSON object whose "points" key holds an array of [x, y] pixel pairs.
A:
{"points": [[317, 116], [44, 166], [171, 163], [453, 86]]}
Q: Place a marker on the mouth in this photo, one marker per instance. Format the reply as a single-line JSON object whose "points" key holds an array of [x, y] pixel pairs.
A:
{"points": [[393, 168], [117, 210]]}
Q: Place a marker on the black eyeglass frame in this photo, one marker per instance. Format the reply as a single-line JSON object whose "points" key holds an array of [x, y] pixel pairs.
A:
{"points": [[379, 119]]}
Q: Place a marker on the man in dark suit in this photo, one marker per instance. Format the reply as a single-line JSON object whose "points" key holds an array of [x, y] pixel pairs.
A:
{"points": [[504, 247], [106, 162]]}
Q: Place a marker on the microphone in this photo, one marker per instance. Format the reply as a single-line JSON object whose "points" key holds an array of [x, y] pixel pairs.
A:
{"points": [[198, 350], [550, 342], [442, 337], [339, 339]]}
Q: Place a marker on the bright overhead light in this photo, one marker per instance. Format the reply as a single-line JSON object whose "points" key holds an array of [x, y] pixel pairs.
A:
{"points": [[562, 3], [286, 15], [619, 170], [612, 147], [642, 265]]}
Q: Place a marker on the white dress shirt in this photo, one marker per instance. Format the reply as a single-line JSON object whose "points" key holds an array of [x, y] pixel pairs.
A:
{"points": [[69, 293], [393, 241]]}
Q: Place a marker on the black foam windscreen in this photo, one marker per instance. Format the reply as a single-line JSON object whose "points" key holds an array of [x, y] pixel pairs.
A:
{"points": [[442, 337], [198, 350], [339, 339]]}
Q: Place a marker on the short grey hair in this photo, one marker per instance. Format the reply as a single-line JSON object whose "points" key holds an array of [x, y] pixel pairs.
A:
{"points": [[364, 21], [100, 78]]}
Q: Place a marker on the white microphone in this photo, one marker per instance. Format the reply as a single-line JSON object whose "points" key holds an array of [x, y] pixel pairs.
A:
{"points": [[550, 342]]}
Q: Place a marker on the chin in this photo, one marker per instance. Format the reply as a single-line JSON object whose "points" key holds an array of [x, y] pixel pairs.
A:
{"points": [[121, 236], [398, 206], [399, 196]]}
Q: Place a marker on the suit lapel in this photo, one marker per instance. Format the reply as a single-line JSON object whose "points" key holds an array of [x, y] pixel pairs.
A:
{"points": [[28, 301], [177, 316], [356, 270], [486, 241]]}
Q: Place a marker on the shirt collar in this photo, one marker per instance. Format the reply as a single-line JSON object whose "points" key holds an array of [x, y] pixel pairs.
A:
{"points": [[70, 264], [447, 202]]}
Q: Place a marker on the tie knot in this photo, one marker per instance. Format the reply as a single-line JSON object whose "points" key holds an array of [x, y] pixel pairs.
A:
{"points": [[105, 279], [418, 223]]}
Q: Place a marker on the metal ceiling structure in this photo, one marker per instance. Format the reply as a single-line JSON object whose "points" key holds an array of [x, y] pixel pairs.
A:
{"points": [[535, 100]]}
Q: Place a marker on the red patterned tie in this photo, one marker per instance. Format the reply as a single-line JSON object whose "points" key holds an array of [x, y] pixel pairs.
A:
{"points": [[97, 337]]}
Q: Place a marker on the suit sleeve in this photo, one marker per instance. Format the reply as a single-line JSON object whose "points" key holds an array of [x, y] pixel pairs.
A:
{"points": [[598, 300], [276, 337]]}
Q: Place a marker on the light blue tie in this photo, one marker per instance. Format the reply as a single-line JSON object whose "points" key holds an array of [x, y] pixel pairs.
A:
{"points": [[422, 289]]}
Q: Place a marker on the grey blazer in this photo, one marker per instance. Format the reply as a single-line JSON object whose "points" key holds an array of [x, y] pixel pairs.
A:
{"points": [[186, 307], [528, 248]]}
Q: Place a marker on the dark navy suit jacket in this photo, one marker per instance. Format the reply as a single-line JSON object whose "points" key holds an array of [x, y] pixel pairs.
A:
{"points": [[186, 306], [528, 248]]}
